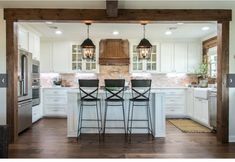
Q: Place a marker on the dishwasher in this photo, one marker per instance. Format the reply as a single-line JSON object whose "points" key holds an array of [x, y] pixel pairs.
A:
{"points": [[213, 109]]}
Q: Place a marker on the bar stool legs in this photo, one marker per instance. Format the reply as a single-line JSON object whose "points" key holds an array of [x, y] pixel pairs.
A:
{"points": [[105, 118], [130, 118], [98, 118]]}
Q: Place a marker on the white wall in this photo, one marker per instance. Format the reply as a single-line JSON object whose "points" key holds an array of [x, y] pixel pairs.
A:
{"points": [[2, 68]]}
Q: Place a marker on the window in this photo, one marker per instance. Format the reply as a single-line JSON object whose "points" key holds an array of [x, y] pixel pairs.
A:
{"points": [[78, 63], [212, 60], [144, 65]]}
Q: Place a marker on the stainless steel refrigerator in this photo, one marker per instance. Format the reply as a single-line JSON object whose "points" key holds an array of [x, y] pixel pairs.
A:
{"points": [[24, 90]]}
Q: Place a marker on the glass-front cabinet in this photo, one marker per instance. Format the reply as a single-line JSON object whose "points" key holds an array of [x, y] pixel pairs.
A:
{"points": [[139, 65], [80, 64]]}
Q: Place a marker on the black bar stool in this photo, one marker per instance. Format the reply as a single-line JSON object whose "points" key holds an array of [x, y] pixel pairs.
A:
{"points": [[89, 94], [140, 97], [114, 89]]}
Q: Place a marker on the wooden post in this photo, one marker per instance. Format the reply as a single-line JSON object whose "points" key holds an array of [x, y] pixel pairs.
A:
{"points": [[12, 68], [222, 90]]}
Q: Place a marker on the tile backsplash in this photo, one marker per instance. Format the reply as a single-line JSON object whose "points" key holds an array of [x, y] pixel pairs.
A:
{"points": [[118, 72]]}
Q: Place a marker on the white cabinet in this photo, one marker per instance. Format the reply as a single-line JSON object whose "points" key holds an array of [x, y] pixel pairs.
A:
{"points": [[29, 41], [55, 57], [55, 102], [46, 57], [201, 113], [23, 39], [167, 50], [190, 102], [36, 113], [180, 58], [194, 57], [175, 102], [34, 45], [61, 55]]}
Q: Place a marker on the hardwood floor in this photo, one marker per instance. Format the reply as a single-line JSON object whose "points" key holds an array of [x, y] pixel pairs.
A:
{"points": [[47, 139]]}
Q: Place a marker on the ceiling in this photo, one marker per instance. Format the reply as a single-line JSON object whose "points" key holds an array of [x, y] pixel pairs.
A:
{"points": [[77, 31], [130, 4]]}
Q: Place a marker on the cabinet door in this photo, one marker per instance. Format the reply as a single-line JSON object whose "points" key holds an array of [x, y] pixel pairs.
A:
{"points": [[23, 39], [190, 103], [36, 47], [197, 105], [167, 51], [180, 58], [46, 57], [31, 43], [61, 55], [194, 56], [205, 113]]}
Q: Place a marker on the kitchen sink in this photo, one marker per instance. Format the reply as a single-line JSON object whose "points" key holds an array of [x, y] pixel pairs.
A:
{"points": [[201, 93]]}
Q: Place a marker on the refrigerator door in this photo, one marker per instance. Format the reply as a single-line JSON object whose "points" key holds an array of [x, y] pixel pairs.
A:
{"points": [[24, 75]]}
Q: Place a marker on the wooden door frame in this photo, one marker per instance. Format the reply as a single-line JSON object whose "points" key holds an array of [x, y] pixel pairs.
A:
{"points": [[222, 17]]}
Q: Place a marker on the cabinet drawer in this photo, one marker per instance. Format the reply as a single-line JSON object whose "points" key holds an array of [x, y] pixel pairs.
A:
{"points": [[174, 111], [54, 92], [55, 100]]}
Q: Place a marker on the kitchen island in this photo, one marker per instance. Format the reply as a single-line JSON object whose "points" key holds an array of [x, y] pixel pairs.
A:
{"points": [[157, 111]]}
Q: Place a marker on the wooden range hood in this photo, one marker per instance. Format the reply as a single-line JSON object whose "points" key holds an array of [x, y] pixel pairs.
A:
{"points": [[114, 52]]}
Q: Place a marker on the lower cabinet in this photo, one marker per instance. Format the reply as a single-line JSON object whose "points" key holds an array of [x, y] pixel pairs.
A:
{"points": [[175, 102], [189, 102], [201, 111], [36, 113], [55, 102]]}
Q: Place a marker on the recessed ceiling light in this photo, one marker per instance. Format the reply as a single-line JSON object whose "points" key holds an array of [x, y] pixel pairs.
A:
{"points": [[168, 32], [115, 32], [180, 23], [58, 32], [205, 28], [49, 22]]}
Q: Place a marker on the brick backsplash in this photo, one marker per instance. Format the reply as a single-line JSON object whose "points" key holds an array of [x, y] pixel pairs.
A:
{"points": [[119, 72]]}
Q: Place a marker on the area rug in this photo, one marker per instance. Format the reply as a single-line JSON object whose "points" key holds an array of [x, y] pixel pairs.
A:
{"points": [[189, 126]]}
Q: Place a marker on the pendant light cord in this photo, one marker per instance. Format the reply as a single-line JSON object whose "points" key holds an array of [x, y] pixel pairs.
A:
{"points": [[144, 30], [87, 31]]}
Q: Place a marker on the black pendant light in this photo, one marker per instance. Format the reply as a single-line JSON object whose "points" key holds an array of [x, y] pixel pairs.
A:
{"points": [[88, 47], [144, 48]]}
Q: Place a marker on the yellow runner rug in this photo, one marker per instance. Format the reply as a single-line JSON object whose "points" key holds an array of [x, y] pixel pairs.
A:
{"points": [[189, 126]]}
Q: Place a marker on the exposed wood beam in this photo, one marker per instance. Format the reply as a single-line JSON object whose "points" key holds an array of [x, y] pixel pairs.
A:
{"points": [[112, 8], [124, 15]]}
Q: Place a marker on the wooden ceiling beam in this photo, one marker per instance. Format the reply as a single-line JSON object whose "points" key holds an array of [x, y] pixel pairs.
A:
{"points": [[112, 8], [124, 15]]}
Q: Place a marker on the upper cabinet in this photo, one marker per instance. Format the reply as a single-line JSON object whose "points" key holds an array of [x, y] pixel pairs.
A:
{"points": [[29, 41], [23, 41], [194, 56], [180, 57], [55, 56], [64, 57], [167, 51], [114, 52]]}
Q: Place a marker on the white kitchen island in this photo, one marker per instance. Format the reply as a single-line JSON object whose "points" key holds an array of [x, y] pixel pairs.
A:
{"points": [[157, 112]]}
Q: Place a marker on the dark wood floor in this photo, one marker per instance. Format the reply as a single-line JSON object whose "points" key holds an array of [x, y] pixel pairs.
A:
{"points": [[47, 139]]}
